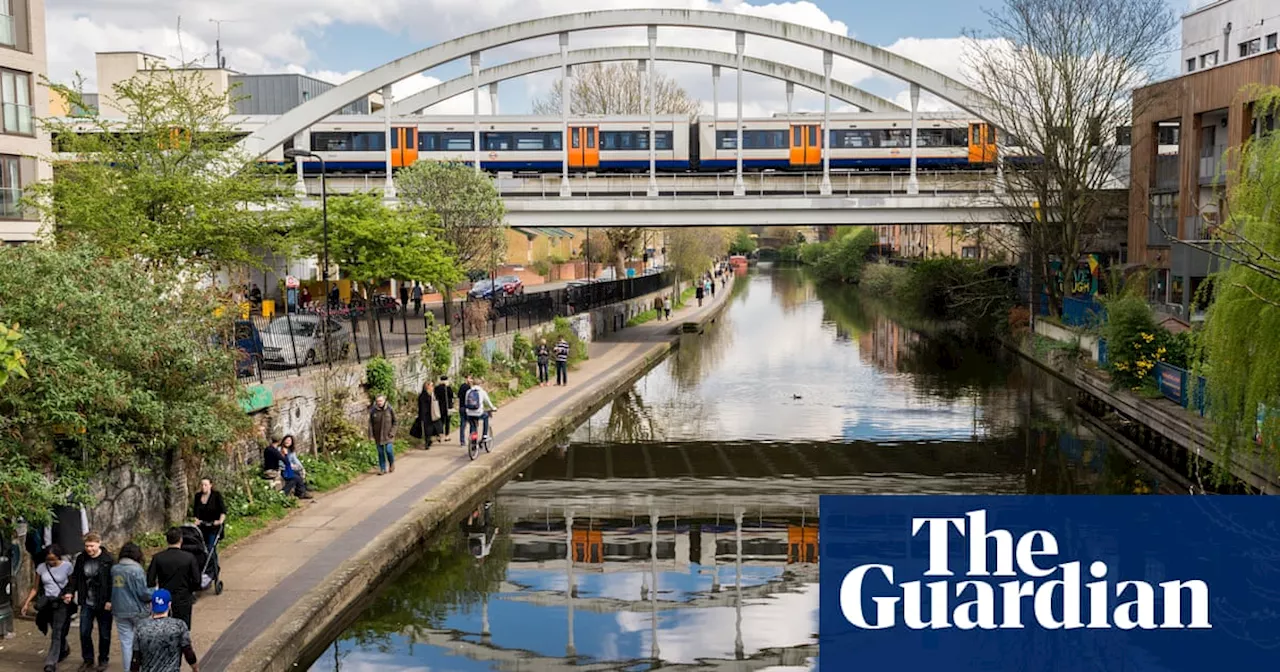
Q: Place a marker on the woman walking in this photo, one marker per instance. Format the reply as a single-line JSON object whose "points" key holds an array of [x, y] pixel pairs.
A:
{"points": [[52, 614], [210, 512], [130, 597], [427, 424]]}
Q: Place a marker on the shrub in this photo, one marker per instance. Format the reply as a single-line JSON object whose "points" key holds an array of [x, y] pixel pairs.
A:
{"points": [[521, 350], [556, 258], [562, 329], [437, 349], [883, 279], [473, 361], [541, 267], [380, 378], [1134, 341]]}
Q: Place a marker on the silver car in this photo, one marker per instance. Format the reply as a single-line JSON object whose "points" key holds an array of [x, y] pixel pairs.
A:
{"points": [[306, 346]]}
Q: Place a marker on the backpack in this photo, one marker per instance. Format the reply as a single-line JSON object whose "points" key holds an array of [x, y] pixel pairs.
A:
{"points": [[472, 402]]}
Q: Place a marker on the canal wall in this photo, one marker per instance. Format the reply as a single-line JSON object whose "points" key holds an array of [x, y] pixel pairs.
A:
{"points": [[319, 617], [1162, 428]]}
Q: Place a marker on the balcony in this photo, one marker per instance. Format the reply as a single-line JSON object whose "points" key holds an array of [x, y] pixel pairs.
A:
{"points": [[1210, 167], [1167, 173], [1157, 224]]}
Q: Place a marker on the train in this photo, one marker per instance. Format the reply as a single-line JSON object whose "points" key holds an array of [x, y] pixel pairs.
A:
{"points": [[353, 144]]}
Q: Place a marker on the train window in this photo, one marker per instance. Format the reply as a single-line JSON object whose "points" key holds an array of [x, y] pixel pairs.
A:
{"points": [[444, 142], [977, 134], [633, 140], [577, 139], [854, 139], [796, 138], [751, 139], [591, 138], [395, 138], [364, 141], [535, 142], [496, 142]]}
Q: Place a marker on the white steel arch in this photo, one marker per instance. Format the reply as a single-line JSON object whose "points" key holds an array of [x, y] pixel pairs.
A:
{"points": [[307, 114], [760, 66]]}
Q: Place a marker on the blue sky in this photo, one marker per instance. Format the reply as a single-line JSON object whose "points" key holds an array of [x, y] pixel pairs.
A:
{"points": [[336, 39]]}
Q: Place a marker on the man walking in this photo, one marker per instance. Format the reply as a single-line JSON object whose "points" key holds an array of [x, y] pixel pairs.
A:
{"points": [[417, 298], [162, 642], [90, 585], [462, 412], [562, 362], [177, 573], [444, 399], [382, 429]]}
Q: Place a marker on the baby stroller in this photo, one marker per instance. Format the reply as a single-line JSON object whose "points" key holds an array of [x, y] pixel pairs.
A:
{"points": [[193, 543]]}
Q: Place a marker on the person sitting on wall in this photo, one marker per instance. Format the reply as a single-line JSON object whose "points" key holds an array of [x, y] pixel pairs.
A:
{"points": [[272, 460], [291, 472]]}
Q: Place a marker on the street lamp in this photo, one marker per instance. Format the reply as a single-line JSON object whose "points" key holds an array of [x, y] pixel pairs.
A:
{"points": [[324, 216]]}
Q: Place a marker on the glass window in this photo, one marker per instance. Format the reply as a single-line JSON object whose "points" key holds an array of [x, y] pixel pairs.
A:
{"points": [[15, 91], [8, 29], [813, 136], [796, 138], [458, 142], [1250, 47], [1191, 65], [496, 142], [441, 142], [577, 137], [1209, 60], [1271, 41], [854, 139], [591, 138], [10, 187]]}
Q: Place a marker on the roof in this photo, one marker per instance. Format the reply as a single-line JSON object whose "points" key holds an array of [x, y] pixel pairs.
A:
{"points": [[549, 232]]}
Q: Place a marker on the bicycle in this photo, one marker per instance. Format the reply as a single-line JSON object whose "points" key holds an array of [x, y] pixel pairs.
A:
{"points": [[475, 442]]}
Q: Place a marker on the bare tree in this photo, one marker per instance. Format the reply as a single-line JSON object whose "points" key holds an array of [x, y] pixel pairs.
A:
{"points": [[1059, 74], [617, 88]]}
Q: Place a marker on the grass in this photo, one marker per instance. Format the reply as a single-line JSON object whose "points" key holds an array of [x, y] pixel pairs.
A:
{"points": [[685, 296], [646, 316]]}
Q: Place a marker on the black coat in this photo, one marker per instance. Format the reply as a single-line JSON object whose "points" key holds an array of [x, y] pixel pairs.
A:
{"points": [[77, 587], [444, 397]]}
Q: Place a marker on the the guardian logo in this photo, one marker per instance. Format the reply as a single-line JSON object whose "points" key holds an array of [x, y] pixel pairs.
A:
{"points": [[1040, 589]]}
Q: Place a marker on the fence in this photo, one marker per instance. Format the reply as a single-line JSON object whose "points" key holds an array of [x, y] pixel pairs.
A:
{"points": [[286, 344], [1078, 312]]}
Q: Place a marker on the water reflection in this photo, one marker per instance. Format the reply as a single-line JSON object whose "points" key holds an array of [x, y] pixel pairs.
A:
{"points": [[678, 528]]}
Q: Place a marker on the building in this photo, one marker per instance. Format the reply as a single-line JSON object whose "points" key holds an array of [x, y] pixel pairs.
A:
{"points": [[23, 145], [988, 243], [1183, 132]]}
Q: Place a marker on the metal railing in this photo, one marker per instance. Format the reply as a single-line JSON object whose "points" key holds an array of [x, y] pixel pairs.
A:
{"points": [[288, 344], [1167, 174]]}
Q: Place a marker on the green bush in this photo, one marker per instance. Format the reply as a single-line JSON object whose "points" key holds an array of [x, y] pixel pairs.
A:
{"points": [[331, 470], [521, 350], [562, 329], [641, 318], [1134, 341], [541, 267], [473, 361], [380, 378], [556, 258], [437, 349], [842, 259], [883, 279]]}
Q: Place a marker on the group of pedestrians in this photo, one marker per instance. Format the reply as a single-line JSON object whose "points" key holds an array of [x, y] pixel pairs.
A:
{"points": [[662, 306], [150, 609], [280, 460]]}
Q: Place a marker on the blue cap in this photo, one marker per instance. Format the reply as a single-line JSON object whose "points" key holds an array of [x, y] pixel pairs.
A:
{"points": [[160, 600]]}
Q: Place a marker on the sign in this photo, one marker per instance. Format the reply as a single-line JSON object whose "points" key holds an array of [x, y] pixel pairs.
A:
{"points": [[290, 282], [256, 398], [1049, 583]]}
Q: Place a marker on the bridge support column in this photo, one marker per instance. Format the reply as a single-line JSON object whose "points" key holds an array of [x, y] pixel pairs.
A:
{"points": [[913, 183], [791, 95], [653, 120], [738, 651], [299, 187], [475, 105], [389, 189], [827, 58], [493, 98], [715, 95], [569, 649], [566, 92], [999, 187], [740, 187], [655, 651]]}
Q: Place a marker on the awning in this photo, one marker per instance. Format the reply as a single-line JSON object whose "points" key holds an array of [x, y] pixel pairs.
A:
{"points": [[549, 232]]}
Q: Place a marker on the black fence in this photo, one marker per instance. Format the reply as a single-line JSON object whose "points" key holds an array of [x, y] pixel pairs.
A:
{"points": [[287, 344]]}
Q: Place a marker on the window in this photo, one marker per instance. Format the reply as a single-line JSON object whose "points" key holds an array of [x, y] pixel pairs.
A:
{"points": [[8, 24], [338, 141], [1271, 41], [1209, 60], [637, 140], [1191, 65], [10, 187], [1250, 47], [445, 142], [969, 252], [522, 142], [1124, 136], [15, 90]]}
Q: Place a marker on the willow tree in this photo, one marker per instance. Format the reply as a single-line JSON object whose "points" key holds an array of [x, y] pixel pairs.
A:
{"points": [[619, 89], [1058, 75], [1241, 346]]}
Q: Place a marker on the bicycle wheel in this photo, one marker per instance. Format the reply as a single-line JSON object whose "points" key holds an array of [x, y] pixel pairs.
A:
{"points": [[488, 444], [472, 448]]}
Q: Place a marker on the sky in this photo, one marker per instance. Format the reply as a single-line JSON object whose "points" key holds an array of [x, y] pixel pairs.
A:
{"points": [[337, 39]]}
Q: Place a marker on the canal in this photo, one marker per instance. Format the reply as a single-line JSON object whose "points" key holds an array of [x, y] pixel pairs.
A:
{"points": [[677, 528]]}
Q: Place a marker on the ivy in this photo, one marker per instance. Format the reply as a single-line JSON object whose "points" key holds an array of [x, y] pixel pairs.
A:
{"points": [[380, 379]]}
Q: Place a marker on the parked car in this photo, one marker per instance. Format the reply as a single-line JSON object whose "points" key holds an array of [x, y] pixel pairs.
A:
{"points": [[249, 345], [511, 285], [481, 290], [306, 345]]}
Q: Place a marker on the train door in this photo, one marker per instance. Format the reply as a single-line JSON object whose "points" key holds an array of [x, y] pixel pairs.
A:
{"points": [[802, 544], [584, 147], [404, 146], [588, 547], [806, 148], [982, 143]]}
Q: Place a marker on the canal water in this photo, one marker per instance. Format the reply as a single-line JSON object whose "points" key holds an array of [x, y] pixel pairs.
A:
{"points": [[677, 528]]}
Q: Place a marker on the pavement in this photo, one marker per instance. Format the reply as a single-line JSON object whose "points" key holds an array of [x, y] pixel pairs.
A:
{"points": [[285, 585]]}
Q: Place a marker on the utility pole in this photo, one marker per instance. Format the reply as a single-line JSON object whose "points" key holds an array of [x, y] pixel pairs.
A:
{"points": [[219, 62]]}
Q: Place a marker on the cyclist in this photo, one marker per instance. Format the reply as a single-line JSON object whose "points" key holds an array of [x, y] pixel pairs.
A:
{"points": [[473, 404]]}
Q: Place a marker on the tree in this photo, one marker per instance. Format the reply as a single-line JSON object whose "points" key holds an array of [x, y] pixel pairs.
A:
{"points": [[1240, 349], [1058, 75], [618, 89], [742, 243], [123, 368], [160, 184], [692, 251], [373, 243]]}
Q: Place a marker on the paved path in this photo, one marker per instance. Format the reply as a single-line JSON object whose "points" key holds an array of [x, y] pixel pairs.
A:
{"points": [[266, 574]]}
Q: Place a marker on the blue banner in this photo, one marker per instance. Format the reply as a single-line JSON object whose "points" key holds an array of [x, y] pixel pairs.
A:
{"points": [[1049, 583]]}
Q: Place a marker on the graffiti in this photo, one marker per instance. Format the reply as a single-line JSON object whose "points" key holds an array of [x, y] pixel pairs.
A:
{"points": [[1084, 277]]}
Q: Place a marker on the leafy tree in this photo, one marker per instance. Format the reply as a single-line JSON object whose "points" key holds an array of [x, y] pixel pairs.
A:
{"points": [[11, 358], [468, 205], [159, 185], [123, 367], [742, 243], [1059, 80], [692, 251]]}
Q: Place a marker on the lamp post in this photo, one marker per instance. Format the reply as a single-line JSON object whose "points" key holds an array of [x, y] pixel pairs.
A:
{"points": [[324, 216]]}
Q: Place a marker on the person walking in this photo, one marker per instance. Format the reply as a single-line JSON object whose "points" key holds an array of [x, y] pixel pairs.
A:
{"points": [[444, 401], [404, 298], [90, 585], [161, 641], [562, 361], [427, 422], [417, 298], [462, 412], [382, 429], [209, 512], [544, 359], [130, 597], [177, 573], [699, 292], [53, 615], [666, 306]]}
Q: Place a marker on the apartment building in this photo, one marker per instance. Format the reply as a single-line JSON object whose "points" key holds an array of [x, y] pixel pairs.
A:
{"points": [[24, 146], [1183, 132]]}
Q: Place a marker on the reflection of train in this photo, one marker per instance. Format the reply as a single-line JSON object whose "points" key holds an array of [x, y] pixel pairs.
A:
{"points": [[859, 141]]}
